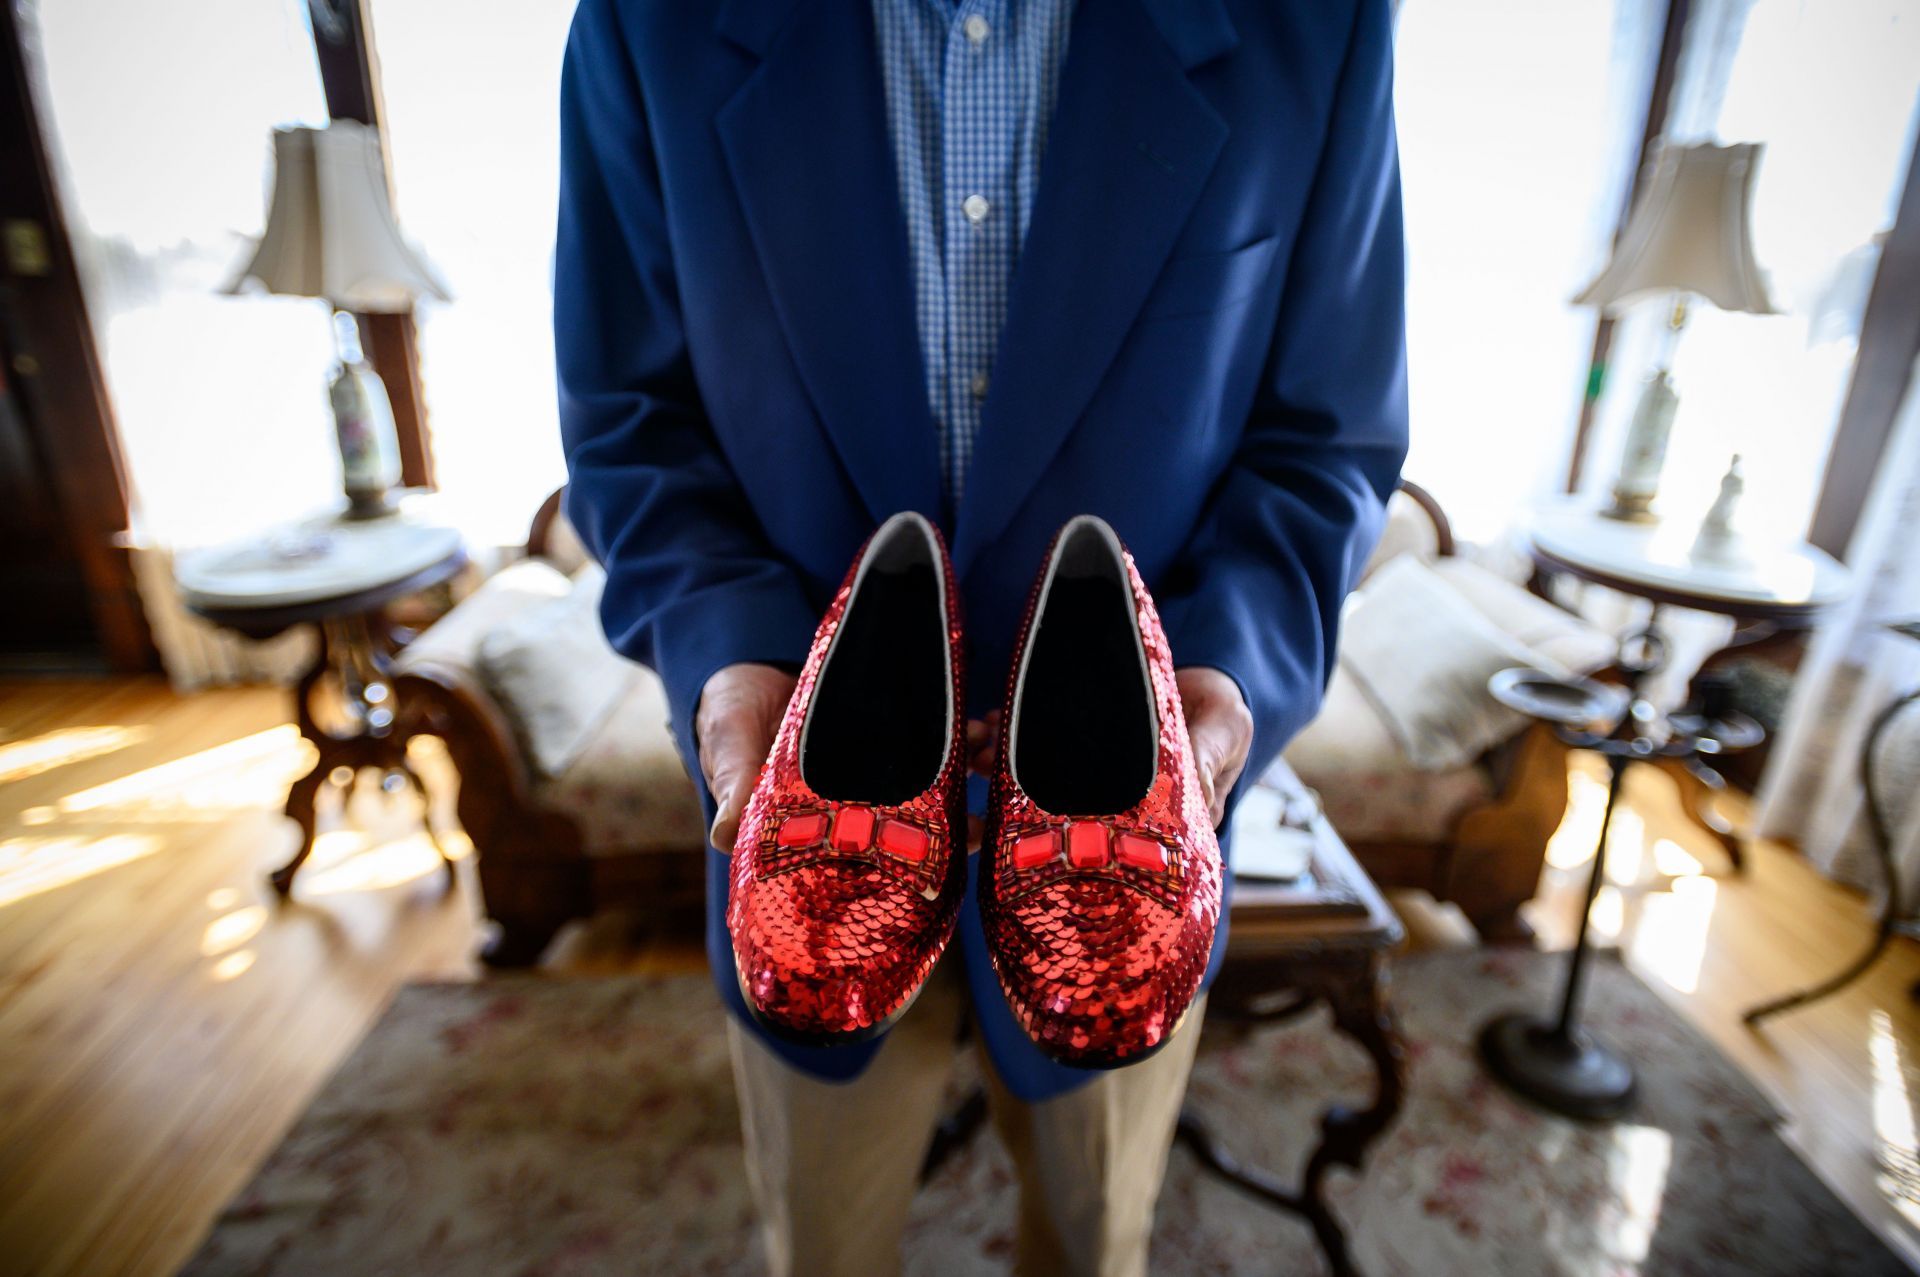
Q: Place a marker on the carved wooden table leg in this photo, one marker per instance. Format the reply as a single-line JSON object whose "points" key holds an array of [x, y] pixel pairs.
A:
{"points": [[1357, 997], [355, 650], [1701, 788], [1360, 1010]]}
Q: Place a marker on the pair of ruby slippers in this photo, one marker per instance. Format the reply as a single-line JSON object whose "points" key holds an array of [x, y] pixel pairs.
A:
{"points": [[1100, 889]]}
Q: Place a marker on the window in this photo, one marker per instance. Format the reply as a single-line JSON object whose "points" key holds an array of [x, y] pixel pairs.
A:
{"points": [[1519, 124], [473, 127], [159, 118], [1831, 90]]}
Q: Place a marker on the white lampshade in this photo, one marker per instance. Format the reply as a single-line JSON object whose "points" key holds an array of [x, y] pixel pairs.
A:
{"points": [[331, 232], [1690, 231]]}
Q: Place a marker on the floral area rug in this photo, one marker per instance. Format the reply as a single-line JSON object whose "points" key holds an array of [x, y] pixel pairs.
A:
{"points": [[563, 1127]]}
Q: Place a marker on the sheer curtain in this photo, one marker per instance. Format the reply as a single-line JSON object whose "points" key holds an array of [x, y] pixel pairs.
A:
{"points": [[1813, 793]]}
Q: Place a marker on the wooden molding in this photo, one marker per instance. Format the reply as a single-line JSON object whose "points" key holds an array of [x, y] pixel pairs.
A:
{"points": [[1882, 366], [1659, 98], [350, 78], [56, 372]]}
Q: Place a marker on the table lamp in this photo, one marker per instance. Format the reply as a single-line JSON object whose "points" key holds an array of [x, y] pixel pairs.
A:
{"points": [[1690, 232], [331, 234]]}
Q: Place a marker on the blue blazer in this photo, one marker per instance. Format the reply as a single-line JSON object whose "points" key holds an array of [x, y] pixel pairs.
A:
{"points": [[1204, 345]]}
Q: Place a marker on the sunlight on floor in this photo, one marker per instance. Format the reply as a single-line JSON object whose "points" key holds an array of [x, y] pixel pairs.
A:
{"points": [[23, 758], [230, 931], [1670, 935], [251, 772], [348, 860], [1637, 1168], [30, 865], [1897, 1153], [231, 966]]}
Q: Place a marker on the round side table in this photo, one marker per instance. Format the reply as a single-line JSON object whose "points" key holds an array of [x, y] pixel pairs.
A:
{"points": [[340, 574], [1766, 589]]}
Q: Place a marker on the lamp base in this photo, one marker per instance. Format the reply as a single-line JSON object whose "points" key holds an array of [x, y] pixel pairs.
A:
{"points": [[1571, 1075], [372, 505], [1630, 509]]}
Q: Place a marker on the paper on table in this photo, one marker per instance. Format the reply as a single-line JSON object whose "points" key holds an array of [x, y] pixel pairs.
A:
{"points": [[1264, 845]]}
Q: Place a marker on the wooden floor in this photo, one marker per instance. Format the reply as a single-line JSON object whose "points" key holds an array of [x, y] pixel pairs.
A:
{"points": [[163, 1019]]}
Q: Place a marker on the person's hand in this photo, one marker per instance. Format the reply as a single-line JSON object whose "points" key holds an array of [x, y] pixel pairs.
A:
{"points": [[738, 717], [983, 746], [1221, 728]]}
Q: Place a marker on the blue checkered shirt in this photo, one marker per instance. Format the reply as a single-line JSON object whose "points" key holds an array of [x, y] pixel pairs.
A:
{"points": [[970, 86]]}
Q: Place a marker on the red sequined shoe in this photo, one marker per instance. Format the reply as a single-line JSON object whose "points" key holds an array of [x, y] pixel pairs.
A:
{"points": [[1103, 888], [851, 859]]}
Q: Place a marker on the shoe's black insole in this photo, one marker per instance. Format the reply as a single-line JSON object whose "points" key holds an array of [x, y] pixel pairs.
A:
{"points": [[1086, 744], [878, 731]]}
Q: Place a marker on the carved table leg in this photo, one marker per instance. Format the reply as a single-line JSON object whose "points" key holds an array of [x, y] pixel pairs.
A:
{"points": [[1701, 789], [300, 798], [1360, 1011], [1358, 1000], [355, 650]]}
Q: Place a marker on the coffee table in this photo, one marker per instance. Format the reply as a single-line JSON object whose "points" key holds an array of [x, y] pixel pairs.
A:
{"points": [[1321, 938], [341, 574]]}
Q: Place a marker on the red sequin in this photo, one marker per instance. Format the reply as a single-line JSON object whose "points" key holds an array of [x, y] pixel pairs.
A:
{"points": [[1099, 962], [832, 944]]}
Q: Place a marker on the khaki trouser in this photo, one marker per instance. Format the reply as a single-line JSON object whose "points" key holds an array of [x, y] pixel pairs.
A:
{"points": [[834, 1166]]}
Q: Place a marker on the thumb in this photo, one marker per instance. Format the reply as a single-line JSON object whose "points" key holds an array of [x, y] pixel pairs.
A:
{"points": [[732, 784]]}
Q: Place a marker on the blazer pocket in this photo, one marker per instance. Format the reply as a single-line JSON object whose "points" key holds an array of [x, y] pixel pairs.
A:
{"points": [[1196, 283]]}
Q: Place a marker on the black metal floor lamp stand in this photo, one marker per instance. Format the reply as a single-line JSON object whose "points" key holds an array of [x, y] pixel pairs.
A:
{"points": [[1553, 1061]]}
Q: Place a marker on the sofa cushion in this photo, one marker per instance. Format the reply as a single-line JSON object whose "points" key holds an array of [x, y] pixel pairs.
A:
{"points": [[627, 788], [1554, 632], [554, 675], [1422, 655], [1369, 788], [454, 640]]}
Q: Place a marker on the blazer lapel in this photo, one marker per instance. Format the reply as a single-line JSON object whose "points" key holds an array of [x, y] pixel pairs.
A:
{"points": [[806, 143], [1129, 150]]}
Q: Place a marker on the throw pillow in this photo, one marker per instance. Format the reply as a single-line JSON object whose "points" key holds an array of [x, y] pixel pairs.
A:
{"points": [[554, 673], [1422, 655]]}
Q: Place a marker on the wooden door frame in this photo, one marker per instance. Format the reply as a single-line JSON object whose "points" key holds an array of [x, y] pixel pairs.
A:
{"points": [[350, 78], [1882, 366], [55, 366], [1673, 38]]}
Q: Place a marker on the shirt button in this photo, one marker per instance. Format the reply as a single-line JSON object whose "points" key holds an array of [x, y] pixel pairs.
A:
{"points": [[976, 208], [978, 385], [976, 28]]}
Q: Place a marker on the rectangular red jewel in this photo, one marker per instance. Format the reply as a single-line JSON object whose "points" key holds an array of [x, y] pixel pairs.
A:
{"points": [[1035, 850], [1086, 845], [1141, 853], [800, 831], [909, 842], [853, 829]]}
